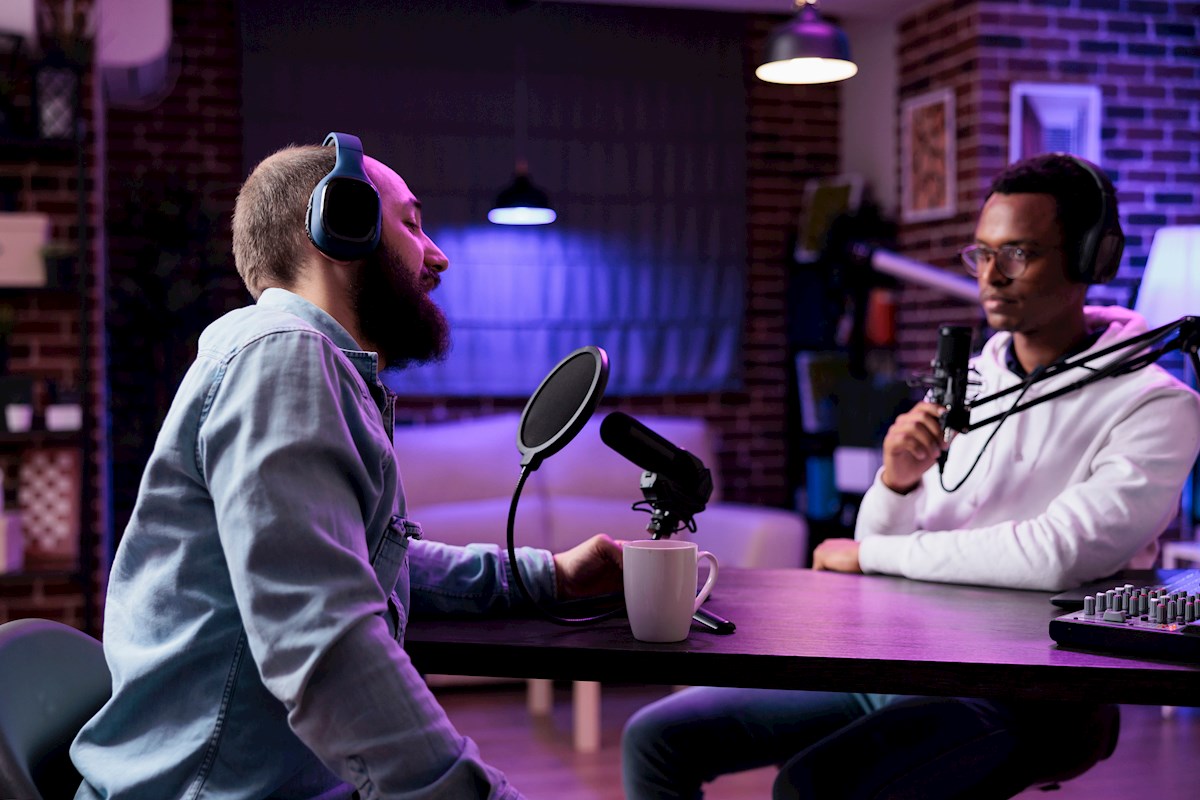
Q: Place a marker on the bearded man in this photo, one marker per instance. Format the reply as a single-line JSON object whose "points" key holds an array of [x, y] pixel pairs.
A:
{"points": [[257, 604]]}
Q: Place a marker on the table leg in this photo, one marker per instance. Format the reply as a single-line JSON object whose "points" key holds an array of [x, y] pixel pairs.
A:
{"points": [[539, 696], [585, 711]]}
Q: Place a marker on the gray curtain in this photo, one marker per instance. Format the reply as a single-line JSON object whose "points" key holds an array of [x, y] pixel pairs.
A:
{"points": [[634, 124]]}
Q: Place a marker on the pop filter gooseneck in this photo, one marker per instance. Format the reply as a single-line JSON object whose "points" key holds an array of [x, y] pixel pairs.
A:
{"points": [[555, 413]]}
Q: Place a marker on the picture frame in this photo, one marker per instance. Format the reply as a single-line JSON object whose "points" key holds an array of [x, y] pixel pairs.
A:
{"points": [[1054, 117], [928, 147]]}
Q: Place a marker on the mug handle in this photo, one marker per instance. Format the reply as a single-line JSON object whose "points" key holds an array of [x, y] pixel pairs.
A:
{"points": [[706, 590]]}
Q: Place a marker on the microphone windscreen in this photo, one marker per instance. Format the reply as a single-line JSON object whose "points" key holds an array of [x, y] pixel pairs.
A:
{"points": [[559, 399], [954, 346], [562, 404]]}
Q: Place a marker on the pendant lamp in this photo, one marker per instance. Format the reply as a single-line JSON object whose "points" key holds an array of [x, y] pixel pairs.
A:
{"points": [[521, 203], [806, 49]]}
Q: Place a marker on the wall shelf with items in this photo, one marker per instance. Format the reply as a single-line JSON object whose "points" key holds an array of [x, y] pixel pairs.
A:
{"points": [[48, 519]]}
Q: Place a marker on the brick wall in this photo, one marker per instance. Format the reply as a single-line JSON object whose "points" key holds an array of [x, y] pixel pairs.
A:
{"points": [[939, 48], [1143, 55], [45, 344], [179, 160], [174, 170]]}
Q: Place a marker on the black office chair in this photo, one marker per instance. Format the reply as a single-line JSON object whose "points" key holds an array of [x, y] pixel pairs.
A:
{"points": [[53, 678]]}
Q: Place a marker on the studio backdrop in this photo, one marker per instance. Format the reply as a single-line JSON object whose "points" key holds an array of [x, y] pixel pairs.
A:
{"points": [[633, 123]]}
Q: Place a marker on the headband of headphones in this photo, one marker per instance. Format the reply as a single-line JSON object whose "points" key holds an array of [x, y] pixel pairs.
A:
{"points": [[344, 211], [1099, 251]]}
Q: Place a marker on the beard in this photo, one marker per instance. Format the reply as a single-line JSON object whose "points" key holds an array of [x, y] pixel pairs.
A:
{"points": [[396, 314]]}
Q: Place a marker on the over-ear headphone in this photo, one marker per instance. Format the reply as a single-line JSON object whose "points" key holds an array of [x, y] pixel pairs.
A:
{"points": [[1099, 251], [344, 212]]}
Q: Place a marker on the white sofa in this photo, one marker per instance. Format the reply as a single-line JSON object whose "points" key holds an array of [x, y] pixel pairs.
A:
{"points": [[459, 478]]}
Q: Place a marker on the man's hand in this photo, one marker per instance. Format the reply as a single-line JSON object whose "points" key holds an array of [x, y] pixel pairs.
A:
{"points": [[911, 446], [838, 555], [589, 568]]}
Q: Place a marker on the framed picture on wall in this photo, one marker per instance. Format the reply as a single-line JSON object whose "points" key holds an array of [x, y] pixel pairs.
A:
{"points": [[927, 168], [1054, 118]]}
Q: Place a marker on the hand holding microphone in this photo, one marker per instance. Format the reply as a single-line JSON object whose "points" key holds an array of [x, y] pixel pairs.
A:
{"points": [[921, 437], [912, 445]]}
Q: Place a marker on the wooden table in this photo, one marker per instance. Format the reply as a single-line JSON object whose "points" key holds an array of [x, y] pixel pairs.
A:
{"points": [[824, 631]]}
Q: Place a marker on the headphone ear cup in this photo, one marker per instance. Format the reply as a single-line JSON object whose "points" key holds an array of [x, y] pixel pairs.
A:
{"points": [[344, 218], [1099, 253], [1108, 257], [1085, 259]]}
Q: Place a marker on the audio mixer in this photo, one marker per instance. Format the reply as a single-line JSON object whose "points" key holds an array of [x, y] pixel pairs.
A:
{"points": [[1152, 620]]}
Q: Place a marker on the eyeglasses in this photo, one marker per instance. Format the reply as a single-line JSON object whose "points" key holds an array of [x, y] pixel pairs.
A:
{"points": [[1010, 259]]}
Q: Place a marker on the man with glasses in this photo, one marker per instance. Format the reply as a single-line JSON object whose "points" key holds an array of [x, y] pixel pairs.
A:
{"points": [[1064, 493]]}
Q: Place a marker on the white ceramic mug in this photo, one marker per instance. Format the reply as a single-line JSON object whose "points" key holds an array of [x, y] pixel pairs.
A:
{"points": [[660, 587]]}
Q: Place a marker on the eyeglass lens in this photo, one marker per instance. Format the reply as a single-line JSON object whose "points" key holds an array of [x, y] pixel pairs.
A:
{"points": [[1010, 261]]}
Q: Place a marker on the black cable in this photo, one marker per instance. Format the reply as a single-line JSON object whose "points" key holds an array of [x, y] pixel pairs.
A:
{"points": [[512, 562], [1029, 381]]}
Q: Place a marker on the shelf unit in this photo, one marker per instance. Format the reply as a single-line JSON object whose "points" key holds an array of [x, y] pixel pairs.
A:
{"points": [[26, 158]]}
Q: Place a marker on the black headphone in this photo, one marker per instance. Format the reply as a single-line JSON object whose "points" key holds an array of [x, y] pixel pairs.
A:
{"points": [[344, 211], [1099, 253]]}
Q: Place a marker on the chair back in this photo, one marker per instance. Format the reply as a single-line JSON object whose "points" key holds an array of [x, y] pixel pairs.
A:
{"points": [[53, 678]]}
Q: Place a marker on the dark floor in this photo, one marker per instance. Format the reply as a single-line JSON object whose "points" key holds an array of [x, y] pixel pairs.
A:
{"points": [[1157, 758]]}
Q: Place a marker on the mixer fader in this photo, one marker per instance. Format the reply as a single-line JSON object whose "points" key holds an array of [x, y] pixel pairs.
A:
{"points": [[1154, 621]]}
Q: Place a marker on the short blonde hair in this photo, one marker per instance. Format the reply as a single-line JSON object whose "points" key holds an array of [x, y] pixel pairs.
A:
{"points": [[268, 218]]}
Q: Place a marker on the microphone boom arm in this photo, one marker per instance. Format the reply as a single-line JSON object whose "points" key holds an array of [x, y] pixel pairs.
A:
{"points": [[1187, 340]]}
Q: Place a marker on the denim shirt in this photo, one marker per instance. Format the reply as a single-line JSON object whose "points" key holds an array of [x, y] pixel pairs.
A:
{"points": [[257, 602]]}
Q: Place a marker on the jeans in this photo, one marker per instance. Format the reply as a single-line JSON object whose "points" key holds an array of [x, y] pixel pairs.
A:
{"points": [[671, 747], [836, 746]]}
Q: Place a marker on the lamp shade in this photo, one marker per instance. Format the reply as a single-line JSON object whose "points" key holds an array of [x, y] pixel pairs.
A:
{"points": [[522, 203], [1170, 286], [806, 49]]}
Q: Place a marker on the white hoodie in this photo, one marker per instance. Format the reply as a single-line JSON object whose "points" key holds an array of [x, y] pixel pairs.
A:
{"points": [[1067, 492]]}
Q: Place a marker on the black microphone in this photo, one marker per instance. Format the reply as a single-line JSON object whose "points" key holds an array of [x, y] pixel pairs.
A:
{"points": [[650, 451], [676, 483], [951, 368]]}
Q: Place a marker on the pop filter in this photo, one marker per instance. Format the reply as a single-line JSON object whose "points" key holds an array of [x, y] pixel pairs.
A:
{"points": [[562, 405], [557, 410]]}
